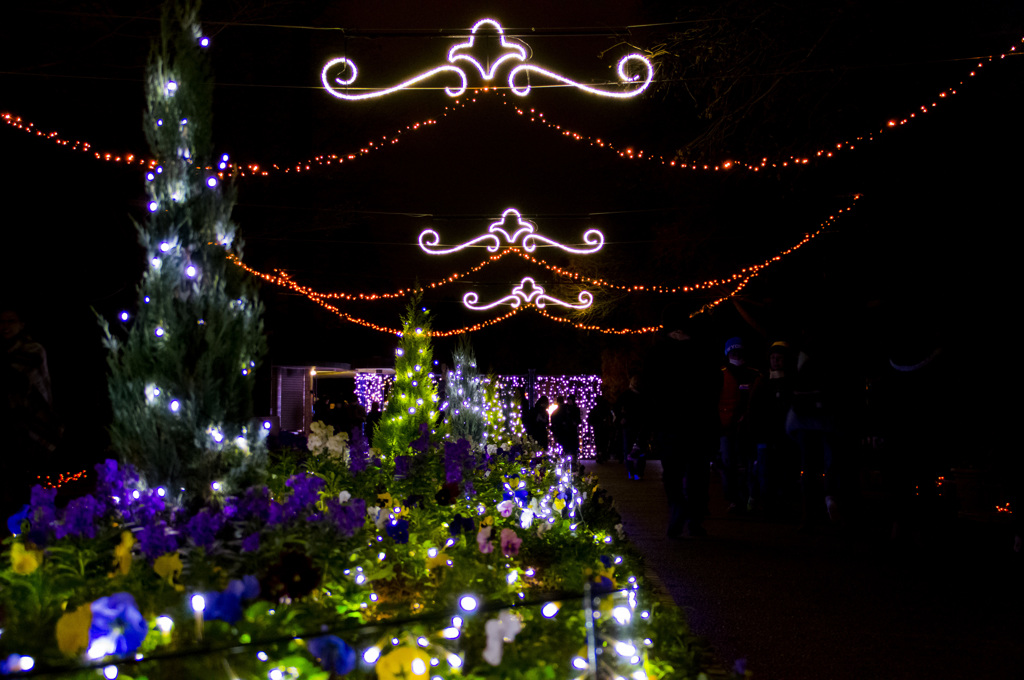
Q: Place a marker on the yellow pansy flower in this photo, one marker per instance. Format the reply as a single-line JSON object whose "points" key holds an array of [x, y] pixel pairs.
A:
{"points": [[404, 663], [438, 560], [123, 552], [558, 504], [25, 561], [169, 567], [73, 630]]}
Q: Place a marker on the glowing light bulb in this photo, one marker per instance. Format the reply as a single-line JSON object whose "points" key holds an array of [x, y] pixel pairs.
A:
{"points": [[190, 271], [125, 316], [371, 655], [211, 182], [174, 406], [198, 603], [165, 246], [468, 603], [164, 624], [158, 332], [549, 610], [110, 672], [153, 206], [204, 42]]}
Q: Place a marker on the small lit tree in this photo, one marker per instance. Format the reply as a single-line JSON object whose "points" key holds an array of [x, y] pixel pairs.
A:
{"points": [[464, 395], [181, 381], [413, 397]]}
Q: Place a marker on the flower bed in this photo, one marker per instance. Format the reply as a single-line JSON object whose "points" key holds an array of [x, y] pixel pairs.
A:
{"points": [[453, 560]]}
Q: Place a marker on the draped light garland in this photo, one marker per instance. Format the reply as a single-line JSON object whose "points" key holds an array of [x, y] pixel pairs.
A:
{"points": [[741, 278], [624, 152]]}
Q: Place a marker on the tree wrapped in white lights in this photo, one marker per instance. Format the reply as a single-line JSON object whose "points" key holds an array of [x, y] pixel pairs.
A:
{"points": [[465, 397], [181, 381], [413, 397]]}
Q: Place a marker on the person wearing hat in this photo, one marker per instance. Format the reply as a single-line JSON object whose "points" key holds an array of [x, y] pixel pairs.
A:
{"points": [[737, 447]]}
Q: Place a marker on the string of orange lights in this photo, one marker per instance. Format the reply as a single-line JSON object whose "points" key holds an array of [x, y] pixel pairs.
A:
{"points": [[63, 478], [281, 278], [626, 153], [743, 277], [246, 170]]}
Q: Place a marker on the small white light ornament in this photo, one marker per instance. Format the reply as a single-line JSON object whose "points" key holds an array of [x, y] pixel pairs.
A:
{"points": [[430, 239], [468, 603], [527, 291], [211, 182], [339, 74]]}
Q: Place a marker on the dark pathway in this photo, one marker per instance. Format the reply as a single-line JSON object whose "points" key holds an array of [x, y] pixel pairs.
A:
{"points": [[840, 605]]}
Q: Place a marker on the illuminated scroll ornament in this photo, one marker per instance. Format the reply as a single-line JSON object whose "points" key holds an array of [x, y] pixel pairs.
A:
{"points": [[429, 239], [338, 74], [527, 291]]}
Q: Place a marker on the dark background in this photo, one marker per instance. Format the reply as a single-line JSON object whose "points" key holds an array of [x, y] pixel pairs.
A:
{"points": [[928, 251]]}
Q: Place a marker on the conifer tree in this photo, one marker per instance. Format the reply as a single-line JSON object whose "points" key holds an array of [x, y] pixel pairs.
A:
{"points": [[181, 381], [413, 397], [464, 394]]}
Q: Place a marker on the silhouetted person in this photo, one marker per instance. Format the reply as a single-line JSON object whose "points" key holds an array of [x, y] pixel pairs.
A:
{"points": [[777, 467], [681, 382], [601, 419], [28, 427], [537, 423]]}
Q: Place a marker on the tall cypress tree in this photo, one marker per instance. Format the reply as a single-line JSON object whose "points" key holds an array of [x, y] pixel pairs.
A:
{"points": [[181, 381], [413, 397]]}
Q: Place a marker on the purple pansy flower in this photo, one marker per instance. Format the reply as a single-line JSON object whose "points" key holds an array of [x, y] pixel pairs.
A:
{"points": [[358, 451], [251, 543], [156, 539]]}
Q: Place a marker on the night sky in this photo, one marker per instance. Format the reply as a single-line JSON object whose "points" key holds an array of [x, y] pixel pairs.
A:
{"points": [[930, 240]]}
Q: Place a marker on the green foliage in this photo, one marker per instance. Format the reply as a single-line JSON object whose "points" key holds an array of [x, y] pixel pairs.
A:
{"points": [[413, 398], [464, 393], [181, 381]]}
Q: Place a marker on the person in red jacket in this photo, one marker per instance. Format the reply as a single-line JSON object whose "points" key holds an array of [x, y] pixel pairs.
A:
{"points": [[737, 447]]}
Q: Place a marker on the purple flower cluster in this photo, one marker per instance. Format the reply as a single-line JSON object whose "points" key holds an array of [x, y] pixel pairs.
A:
{"points": [[402, 465], [457, 457], [254, 504], [422, 443], [80, 518], [157, 539], [203, 527], [305, 492], [358, 451], [348, 519]]}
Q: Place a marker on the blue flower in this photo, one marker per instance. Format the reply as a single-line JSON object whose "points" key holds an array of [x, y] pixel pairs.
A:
{"points": [[398, 529], [251, 543], [15, 520], [117, 625], [334, 653], [227, 604]]}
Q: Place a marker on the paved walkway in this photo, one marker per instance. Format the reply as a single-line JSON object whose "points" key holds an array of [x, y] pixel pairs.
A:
{"points": [[842, 604]]}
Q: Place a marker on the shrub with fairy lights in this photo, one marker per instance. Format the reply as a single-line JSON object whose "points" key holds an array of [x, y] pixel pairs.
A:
{"points": [[413, 402]]}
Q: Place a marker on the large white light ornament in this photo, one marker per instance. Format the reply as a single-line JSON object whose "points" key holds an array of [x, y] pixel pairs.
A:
{"points": [[429, 239], [338, 80], [527, 291]]}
